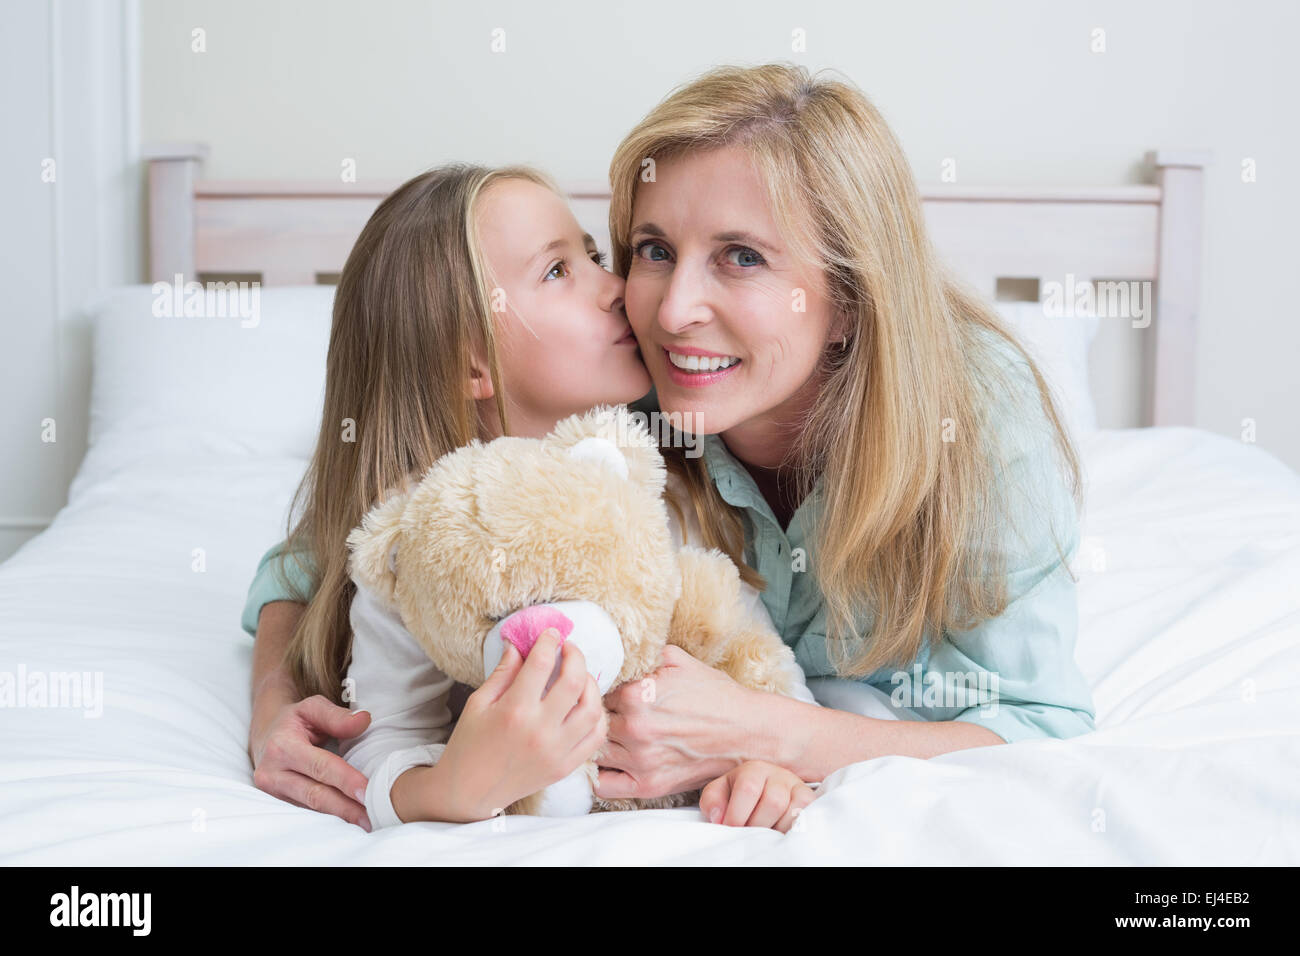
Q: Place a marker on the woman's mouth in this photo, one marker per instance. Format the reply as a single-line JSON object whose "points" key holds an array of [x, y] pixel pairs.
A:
{"points": [[698, 370]]}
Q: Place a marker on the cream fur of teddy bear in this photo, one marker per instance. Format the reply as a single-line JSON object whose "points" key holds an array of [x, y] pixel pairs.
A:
{"points": [[494, 529]]}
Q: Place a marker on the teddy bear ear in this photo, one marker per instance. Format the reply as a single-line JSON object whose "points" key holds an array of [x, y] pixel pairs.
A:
{"points": [[373, 545], [590, 435], [600, 451]]}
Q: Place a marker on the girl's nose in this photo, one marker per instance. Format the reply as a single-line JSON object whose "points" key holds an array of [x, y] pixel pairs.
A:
{"points": [[615, 289]]}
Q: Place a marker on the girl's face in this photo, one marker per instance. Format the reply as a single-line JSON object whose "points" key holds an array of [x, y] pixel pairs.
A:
{"points": [[712, 282], [551, 277]]}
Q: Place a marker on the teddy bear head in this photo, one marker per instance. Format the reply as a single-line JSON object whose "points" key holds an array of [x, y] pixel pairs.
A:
{"points": [[497, 526]]}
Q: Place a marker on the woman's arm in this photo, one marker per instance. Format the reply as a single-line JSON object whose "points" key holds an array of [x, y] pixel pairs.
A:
{"points": [[272, 688], [699, 724], [814, 742], [285, 734]]}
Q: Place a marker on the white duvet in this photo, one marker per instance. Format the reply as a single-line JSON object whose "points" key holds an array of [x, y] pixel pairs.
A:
{"points": [[1189, 635]]}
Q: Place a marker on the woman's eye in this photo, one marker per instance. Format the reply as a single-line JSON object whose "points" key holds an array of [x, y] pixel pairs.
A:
{"points": [[748, 256], [650, 243], [559, 265]]}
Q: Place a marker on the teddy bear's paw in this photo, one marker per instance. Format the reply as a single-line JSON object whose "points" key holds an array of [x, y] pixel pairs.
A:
{"points": [[669, 802], [757, 658], [526, 806], [601, 805], [709, 608]]}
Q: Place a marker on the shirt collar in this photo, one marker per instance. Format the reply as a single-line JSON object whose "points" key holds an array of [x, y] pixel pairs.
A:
{"points": [[735, 483]]}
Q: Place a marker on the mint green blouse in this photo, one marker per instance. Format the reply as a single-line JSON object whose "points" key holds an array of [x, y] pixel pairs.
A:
{"points": [[1014, 674]]}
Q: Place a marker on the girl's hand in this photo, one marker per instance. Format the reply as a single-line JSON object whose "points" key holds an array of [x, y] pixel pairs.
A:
{"points": [[511, 740], [756, 794], [290, 763]]}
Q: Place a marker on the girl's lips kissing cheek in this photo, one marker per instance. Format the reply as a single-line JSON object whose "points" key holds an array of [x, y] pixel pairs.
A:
{"points": [[695, 368]]}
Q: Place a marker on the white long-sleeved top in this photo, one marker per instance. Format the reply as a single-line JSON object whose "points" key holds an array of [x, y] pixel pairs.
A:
{"points": [[410, 699]]}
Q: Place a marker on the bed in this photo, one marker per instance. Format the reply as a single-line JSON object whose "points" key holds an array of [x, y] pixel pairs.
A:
{"points": [[123, 738]]}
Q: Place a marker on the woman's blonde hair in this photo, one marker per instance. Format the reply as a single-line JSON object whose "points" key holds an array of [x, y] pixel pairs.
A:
{"points": [[411, 309], [911, 521]]}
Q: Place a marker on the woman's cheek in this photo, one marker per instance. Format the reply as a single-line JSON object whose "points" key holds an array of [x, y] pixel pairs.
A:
{"points": [[638, 303]]}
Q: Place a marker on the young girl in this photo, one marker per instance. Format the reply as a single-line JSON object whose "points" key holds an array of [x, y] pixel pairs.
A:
{"points": [[472, 305]]}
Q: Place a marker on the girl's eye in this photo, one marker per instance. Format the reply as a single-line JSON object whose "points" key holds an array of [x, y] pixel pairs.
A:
{"points": [[650, 243], [600, 258], [748, 256], [559, 265]]}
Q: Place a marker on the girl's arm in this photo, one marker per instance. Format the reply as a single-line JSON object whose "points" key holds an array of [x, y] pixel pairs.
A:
{"points": [[510, 740], [756, 794], [407, 697]]}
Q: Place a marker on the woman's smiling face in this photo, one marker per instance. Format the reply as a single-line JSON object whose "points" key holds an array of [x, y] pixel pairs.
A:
{"points": [[711, 277]]}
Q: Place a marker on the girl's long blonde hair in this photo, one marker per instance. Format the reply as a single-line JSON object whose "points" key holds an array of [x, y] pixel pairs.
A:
{"points": [[411, 308], [912, 521]]}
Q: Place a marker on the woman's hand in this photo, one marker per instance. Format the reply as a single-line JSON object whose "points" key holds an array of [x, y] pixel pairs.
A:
{"points": [[290, 763], [511, 740], [675, 729], [756, 794]]}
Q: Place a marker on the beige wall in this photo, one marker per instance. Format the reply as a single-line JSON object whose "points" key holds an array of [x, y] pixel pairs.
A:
{"points": [[1011, 91]]}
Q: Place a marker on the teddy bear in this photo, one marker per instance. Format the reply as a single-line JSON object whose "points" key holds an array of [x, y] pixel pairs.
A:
{"points": [[500, 540]]}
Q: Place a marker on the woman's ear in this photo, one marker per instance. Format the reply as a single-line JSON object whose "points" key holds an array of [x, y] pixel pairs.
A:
{"points": [[840, 330]]}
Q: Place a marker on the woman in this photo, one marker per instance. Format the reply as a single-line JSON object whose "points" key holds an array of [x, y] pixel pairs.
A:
{"points": [[879, 448]]}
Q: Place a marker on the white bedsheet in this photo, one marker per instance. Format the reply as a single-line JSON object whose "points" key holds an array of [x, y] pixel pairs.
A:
{"points": [[1190, 636]]}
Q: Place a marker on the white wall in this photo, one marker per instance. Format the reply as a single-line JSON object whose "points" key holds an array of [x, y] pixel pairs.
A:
{"points": [[1011, 90], [68, 71]]}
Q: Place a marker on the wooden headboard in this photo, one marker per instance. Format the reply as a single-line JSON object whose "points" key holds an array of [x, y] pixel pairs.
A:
{"points": [[290, 233]]}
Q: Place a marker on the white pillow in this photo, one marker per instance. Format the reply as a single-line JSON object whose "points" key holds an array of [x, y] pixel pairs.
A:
{"points": [[1059, 346], [249, 383]]}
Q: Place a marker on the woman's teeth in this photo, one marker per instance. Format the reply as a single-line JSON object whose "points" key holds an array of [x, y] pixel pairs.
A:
{"points": [[701, 363]]}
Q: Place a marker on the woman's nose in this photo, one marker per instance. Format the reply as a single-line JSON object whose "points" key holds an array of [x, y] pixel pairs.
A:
{"points": [[682, 305]]}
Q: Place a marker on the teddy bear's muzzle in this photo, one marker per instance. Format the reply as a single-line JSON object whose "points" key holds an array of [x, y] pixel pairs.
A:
{"points": [[582, 623]]}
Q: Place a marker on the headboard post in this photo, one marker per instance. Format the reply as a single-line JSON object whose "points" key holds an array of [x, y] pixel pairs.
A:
{"points": [[1172, 360], [173, 169]]}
